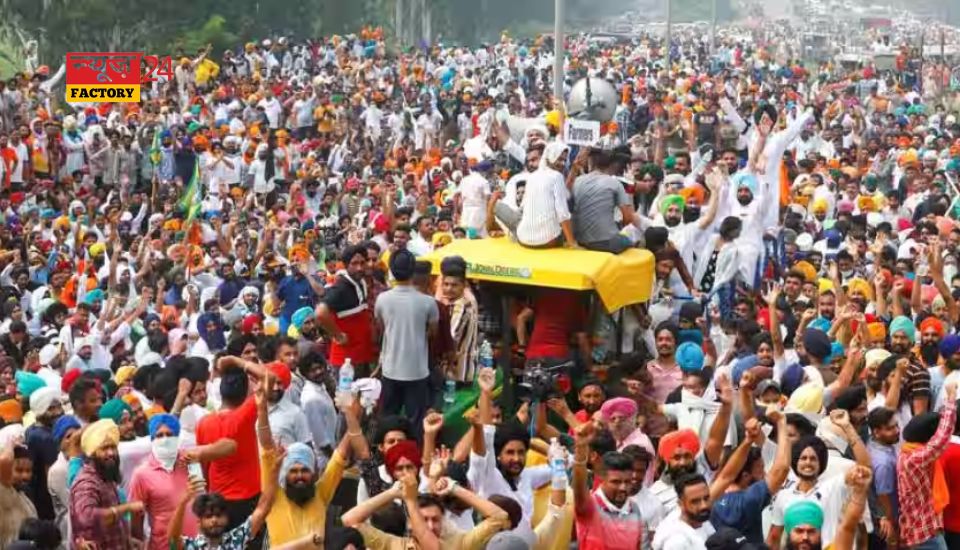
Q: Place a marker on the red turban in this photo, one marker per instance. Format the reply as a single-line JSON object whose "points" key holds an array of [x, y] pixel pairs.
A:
{"points": [[680, 439], [405, 449], [934, 323], [281, 371], [249, 322], [68, 379]]}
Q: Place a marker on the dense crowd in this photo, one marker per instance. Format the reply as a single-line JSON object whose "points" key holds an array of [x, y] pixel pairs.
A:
{"points": [[226, 323]]}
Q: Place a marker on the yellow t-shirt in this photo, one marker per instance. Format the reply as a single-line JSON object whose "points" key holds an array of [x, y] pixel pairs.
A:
{"points": [[288, 521]]}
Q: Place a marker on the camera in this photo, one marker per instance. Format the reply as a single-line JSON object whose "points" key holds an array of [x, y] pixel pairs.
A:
{"points": [[542, 381]]}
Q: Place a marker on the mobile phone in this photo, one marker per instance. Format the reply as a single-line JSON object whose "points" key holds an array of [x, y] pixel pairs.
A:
{"points": [[195, 471]]}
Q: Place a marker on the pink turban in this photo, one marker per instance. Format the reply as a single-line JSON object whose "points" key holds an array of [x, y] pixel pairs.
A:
{"points": [[618, 405]]}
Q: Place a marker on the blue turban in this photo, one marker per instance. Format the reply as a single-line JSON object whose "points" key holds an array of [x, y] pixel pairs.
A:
{"points": [[163, 419], [743, 365], [693, 335], [903, 323], [821, 324], [93, 296], [297, 453], [791, 378], [746, 179], [690, 357], [27, 383], [48, 213], [300, 317], [836, 350], [165, 134], [63, 425], [950, 345]]}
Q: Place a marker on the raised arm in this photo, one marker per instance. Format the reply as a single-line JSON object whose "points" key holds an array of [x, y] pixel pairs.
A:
{"points": [[581, 454], [486, 379], [713, 449], [175, 531], [735, 463], [778, 472], [858, 481], [841, 418]]}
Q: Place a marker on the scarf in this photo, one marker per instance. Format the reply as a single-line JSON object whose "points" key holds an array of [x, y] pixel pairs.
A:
{"points": [[941, 491]]}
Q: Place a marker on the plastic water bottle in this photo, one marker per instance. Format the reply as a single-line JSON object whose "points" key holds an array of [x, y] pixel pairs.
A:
{"points": [[486, 354], [558, 465], [345, 384], [449, 394]]}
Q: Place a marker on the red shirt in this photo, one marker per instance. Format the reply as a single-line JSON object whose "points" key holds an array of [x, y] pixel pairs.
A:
{"points": [[950, 461], [236, 477], [558, 314]]}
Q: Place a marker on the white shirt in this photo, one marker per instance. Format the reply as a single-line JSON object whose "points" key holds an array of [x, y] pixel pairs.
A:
{"points": [[544, 208], [676, 534], [320, 413], [288, 423], [652, 513], [829, 494], [419, 246], [486, 480], [272, 109]]}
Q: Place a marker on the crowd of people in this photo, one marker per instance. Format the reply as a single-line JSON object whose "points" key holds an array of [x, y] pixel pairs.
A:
{"points": [[225, 323]]}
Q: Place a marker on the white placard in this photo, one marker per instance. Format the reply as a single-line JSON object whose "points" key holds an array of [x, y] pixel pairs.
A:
{"points": [[581, 132]]}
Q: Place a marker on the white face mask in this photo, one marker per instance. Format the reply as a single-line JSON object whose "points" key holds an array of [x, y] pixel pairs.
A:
{"points": [[165, 451]]}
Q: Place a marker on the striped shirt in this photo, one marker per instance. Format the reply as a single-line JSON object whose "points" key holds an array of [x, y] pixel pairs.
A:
{"points": [[465, 334], [544, 208]]}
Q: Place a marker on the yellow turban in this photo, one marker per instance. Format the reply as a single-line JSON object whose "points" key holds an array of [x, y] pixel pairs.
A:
{"points": [[807, 399], [825, 285], [124, 374], [809, 272], [97, 249], [860, 285], [100, 433], [554, 119], [820, 205]]}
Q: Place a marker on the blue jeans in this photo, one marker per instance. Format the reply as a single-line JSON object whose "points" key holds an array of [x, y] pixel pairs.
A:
{"points": [[933, 543]]}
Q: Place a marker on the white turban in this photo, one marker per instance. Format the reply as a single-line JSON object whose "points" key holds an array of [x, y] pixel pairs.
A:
{"points": [[42, 399], [553, 152]]}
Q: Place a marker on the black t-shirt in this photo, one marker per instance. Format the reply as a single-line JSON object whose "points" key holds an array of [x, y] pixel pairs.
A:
{"points": [[342, 296], [706, 127]]}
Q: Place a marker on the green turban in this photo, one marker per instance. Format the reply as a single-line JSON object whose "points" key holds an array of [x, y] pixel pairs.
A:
{"points": [[802, 512], [114, 410], [672, 200], [903, 323]]}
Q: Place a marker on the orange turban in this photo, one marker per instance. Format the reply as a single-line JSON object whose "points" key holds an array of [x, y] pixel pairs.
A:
{"points": [[10, 411], [680, 439], [695, 192], [932, 323], [877, 331]]}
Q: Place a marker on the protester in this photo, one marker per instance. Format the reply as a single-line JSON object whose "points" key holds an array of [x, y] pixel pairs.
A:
{"points": [[187, 277]]}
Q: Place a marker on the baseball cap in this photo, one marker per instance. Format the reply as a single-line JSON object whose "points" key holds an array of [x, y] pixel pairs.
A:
{"points": [[727, 538]]}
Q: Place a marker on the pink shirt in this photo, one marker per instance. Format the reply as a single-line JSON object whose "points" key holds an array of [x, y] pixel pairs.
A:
{"points": [[605, 527], [160, 491], [665, 380]]}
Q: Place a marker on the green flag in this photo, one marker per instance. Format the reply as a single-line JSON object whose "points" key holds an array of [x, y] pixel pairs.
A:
{"points": [[191, 201], [155, 148]]}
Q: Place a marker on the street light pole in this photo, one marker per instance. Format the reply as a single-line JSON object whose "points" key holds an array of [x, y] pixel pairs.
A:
{"points": [[666, 47], [558, 50], [713, 26]]}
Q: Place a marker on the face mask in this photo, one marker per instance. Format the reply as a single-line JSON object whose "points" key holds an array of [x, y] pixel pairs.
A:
{"points": [[847, 274], [165, 451]]}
